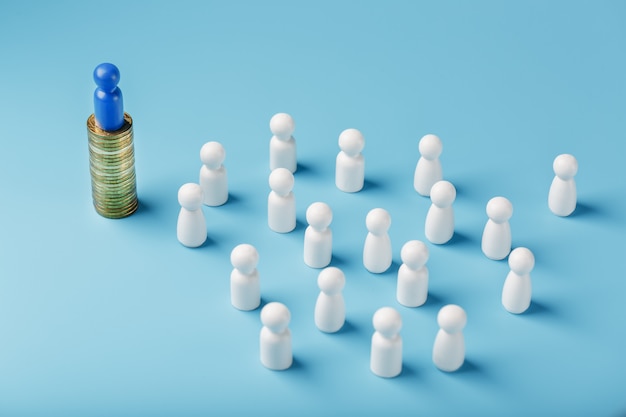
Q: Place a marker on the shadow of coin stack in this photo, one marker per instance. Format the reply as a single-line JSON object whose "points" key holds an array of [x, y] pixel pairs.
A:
{"points": [[112, 167]]}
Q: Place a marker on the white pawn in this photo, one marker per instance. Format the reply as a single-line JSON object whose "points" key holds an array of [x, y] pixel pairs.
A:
{"points": [[562, 196], [350, 166], [318, 238], [449, 347], [517, 288], [428, 169], [496, 240], [213, 178], [191, 226], [281, 203], [439, 226], [377, 255], [386, 353], [412, 286], [330, 309], [283, 144], [275, 339], [245, 290]]}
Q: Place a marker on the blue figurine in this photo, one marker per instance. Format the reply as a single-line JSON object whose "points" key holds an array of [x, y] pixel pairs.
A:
{"points": [[107, 99]]}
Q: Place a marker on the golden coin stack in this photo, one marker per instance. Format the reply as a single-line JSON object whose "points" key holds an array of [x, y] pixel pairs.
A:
{"points": [[112, 167]]}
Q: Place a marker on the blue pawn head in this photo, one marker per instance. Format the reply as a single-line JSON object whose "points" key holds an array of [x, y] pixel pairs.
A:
{"points": [[106, 77], [108, 103]]}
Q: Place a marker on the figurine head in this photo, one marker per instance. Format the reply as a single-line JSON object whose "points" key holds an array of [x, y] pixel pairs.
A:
{"points": [[106, 76], [244, 257], [331, 280], [190, 196], [414, 254], [565, 166], [212, 154], [378, 221], [319, 215], [430, 147], [275, 316], [387, 321], [499, 209], [282, 126], [351, 142]]}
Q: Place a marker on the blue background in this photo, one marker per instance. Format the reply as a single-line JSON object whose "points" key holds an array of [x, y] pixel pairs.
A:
{"points": [[103, 317]]}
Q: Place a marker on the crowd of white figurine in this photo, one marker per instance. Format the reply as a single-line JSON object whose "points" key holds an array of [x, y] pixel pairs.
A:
{"points": [[412, 283]]}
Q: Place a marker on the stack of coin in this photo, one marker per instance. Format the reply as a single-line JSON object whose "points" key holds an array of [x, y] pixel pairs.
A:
{"points": [[112, 166]]}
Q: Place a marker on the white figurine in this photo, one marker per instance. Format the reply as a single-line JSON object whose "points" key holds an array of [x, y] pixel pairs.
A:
{"points": [[350, 165], [377, 255], [517, 289], [496, 240], [330, 309], [439, 226], [318, 238], [245, 290], [428, 170], [562, 196], [386, 353], [213, 178], [281, 203], [283, 144], [412, 285], [191, 227], [275, 339], [449, 347]]}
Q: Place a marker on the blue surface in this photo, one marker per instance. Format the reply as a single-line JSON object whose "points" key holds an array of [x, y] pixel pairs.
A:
{"points": [[103, 317]]}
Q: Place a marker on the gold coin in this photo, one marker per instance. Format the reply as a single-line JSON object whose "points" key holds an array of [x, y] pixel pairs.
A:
{"points": [[112, 169]]}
